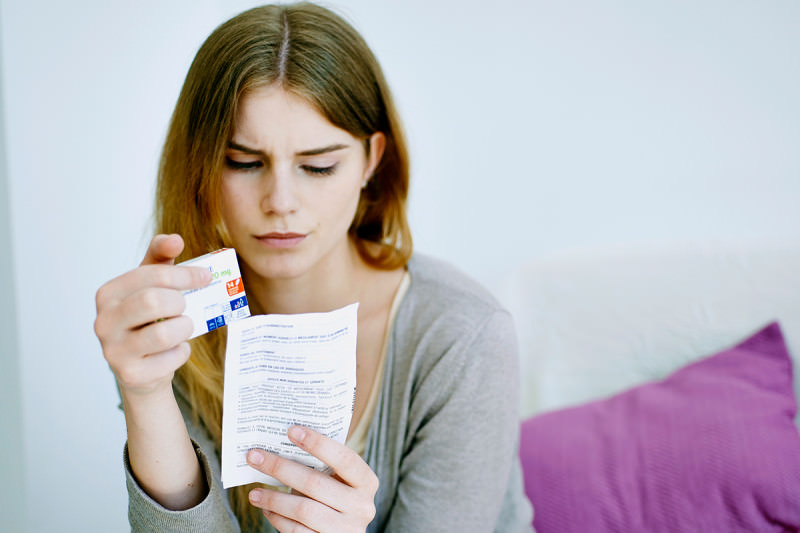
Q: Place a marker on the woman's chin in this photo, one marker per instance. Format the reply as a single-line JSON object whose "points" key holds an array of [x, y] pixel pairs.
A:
{"points": [[279, 268]]}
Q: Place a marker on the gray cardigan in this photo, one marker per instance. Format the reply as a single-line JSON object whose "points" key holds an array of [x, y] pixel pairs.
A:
{"points": [[443, 439]]}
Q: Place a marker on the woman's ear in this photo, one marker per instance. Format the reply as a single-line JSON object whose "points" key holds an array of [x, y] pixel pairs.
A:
{"points": [[377, 143]]}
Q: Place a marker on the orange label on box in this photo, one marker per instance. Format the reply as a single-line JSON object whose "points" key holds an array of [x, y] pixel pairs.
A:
{"points": [[234, 286]]}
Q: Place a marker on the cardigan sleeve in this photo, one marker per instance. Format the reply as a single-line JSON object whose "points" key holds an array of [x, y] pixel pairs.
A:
{"points": [[460, 463], [210, 515], [213, 514]]}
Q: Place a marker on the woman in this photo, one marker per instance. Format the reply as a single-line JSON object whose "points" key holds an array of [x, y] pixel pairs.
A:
{"points": [[286, 146]]}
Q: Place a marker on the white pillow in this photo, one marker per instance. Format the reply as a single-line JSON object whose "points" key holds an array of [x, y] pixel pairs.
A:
{"points": [[594, 322]]}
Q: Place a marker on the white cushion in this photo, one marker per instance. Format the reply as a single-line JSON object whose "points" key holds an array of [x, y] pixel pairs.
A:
{"points": [[595, 322]]}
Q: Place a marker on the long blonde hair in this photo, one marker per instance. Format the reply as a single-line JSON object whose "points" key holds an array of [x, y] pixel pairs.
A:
{"points": [[313, 53]]}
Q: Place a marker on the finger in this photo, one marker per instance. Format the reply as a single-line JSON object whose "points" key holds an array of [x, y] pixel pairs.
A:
{"points": [[163, 249], [301, 478], [167, 277], [163, 276], [160, 336], [148, 305], [283, 524], [290, 508], [150, 371], [347, 464], [173, 277]]}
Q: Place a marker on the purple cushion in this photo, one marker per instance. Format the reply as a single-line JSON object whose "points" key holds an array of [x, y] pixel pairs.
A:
{"points": [[711, 448]]}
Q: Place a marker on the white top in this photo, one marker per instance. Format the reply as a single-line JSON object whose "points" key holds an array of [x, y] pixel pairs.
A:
{"points": [[357, 440]]}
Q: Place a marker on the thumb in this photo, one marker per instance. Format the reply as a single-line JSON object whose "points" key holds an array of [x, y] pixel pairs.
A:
{"points": [[163, 249]]}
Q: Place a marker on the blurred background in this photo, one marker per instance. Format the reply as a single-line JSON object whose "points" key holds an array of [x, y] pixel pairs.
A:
{"points": [[534, 127]]}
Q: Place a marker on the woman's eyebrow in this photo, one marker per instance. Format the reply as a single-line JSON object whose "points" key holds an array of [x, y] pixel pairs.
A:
{"points": [[313, 151], [323, 150], [244, 149]]}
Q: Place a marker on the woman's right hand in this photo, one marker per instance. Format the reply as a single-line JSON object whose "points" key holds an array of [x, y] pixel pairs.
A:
{"points": [[139, 322]]}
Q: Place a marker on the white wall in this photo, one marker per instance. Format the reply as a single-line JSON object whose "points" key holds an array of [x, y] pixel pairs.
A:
{"points": [[12, 510], [534, 126]]}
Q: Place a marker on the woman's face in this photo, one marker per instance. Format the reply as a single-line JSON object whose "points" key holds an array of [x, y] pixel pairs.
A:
{"points": [[291, 185]]}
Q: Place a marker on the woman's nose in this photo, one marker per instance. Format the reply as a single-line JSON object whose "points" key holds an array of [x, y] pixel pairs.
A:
{"points": [[279, 194]]}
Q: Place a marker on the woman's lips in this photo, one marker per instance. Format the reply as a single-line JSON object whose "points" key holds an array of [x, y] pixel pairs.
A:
{"points": [[278, 239]]}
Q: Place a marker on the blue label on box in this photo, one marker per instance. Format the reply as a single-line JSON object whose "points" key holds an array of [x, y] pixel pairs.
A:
{"points": [[238, 303], [215, 323]]}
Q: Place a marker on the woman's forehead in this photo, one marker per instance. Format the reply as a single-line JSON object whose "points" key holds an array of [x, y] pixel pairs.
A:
{"points": [[271, 117]]}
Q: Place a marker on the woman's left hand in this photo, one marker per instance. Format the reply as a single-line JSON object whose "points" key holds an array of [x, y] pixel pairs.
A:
{"points": [[341, 502]]}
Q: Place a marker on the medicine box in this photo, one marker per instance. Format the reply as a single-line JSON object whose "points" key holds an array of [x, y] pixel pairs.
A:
{"points": [[223, 300]]}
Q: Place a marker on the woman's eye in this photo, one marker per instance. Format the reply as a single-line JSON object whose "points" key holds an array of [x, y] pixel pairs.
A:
{"points": [[242, 165], [319, 171]]}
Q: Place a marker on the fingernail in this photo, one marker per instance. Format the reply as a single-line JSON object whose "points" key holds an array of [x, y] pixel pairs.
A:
{"points": [[254, 496], [255, 457], [297, 433]]}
